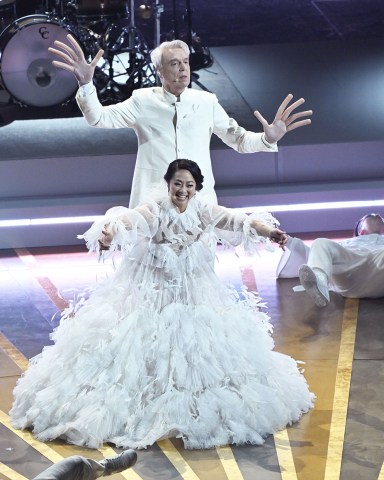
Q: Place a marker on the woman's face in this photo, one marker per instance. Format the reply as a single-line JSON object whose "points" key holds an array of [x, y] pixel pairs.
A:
{"points": [[182, 187]]}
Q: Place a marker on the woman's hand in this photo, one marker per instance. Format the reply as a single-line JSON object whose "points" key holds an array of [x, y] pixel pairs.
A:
{"points": [[274, 234], [105, 239], [278, 236]]}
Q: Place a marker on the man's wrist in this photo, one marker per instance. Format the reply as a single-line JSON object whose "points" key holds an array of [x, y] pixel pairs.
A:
{"points": [[266, 142], [86, 89]]}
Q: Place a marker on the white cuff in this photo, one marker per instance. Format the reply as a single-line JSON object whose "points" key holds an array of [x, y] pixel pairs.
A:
{"points": [[85, 90], [267, 144]]}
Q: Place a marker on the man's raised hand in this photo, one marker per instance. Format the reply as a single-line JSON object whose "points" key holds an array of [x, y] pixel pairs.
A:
{"points": [[285, 120], [73, 60]]}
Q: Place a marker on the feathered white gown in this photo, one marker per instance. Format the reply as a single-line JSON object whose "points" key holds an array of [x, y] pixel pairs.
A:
{"points": [[163, 349]]}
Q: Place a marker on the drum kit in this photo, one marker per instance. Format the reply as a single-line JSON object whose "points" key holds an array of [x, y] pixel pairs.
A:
{"points": [[26, 70]]}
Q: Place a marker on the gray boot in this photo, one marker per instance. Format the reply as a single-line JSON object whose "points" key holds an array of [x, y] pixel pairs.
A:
{"points": [[119, 463]]}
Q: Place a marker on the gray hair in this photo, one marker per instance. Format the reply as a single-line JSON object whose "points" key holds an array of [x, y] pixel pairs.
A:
{"points": [[157, 53]]}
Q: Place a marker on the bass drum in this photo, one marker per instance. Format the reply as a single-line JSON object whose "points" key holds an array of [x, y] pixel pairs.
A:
{"points": [[99, 10], [26, 66]]}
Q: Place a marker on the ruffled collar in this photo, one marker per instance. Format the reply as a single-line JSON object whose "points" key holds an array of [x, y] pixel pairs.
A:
{"points": [[191, 209]]}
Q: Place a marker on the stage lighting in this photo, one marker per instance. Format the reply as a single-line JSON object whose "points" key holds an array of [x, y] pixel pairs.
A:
{"points": [[144, 12]]}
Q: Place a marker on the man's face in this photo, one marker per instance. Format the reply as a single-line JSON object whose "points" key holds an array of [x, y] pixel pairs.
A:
{"points": [[372, 223], [174, 71]]}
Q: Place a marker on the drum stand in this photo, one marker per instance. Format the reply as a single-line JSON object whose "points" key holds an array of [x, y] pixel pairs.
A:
{"points": [[158, 9], [127, 45], [57, 9], [199, 57]]}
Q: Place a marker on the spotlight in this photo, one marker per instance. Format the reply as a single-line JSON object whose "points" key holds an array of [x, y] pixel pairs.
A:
{"points": [[144, 12]]}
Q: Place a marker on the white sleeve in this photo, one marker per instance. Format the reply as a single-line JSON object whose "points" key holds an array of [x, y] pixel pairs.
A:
{"points": [[128, 226], [232, 228], [236, 137], [86, 89], [119, 115]]}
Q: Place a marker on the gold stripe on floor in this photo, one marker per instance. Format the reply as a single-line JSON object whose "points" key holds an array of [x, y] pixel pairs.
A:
{"points": [[381, 474], [13, 353], [174, 456], [42, 448], [129, 474], [11, 474], [342, 386], [284, 455], [229, 463], [51, 454], [282, 443]]}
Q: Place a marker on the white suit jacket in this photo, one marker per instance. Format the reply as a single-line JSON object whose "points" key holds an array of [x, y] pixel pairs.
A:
{"points": [[168, 129]]}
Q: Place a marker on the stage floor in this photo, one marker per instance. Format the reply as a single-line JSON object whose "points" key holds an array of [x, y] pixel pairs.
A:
{"points": [[342, 347]]}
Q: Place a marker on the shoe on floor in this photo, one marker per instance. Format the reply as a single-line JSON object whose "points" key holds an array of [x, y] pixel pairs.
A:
{"points": [[315, 285], [119, 463]]}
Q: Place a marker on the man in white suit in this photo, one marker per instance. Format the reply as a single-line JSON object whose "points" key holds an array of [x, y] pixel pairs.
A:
{"points": [[172, 121], [353, 267]]}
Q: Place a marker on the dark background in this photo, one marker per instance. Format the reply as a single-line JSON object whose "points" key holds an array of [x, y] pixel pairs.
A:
{"points": [[251, 22], [288, 32]]}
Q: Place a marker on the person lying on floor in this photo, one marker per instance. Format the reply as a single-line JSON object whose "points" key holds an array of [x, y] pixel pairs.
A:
{"points": [[353, 267]]}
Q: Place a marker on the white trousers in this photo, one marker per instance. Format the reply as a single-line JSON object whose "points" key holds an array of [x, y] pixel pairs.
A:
{"points": [[75, 467], [353, 273]]}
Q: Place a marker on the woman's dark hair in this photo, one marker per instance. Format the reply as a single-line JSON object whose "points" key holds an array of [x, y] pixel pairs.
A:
{"points": [[184, 164]]}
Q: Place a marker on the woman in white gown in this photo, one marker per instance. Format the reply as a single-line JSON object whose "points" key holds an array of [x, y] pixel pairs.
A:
{"points": [[163, 349]]}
